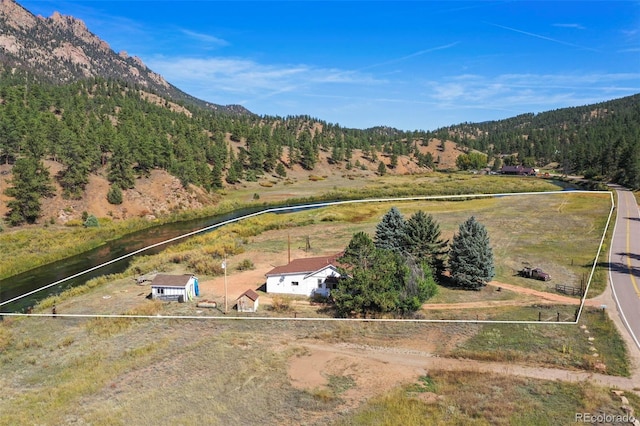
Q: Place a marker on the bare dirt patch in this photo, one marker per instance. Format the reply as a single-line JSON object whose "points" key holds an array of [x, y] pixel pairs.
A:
{"points": [[380, 369], [156, 195]]}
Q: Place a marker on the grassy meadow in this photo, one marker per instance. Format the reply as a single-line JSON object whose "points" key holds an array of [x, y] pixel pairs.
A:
{"points": [[473, 398], [562, 237], [37, 245], [558, 232], [191, 372], [117, 371]]}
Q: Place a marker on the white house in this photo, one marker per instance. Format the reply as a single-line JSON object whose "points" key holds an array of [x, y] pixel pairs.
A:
{"points": [[174, 287], [305, 277]]}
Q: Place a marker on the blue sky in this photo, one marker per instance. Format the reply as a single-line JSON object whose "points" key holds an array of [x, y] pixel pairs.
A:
{"points": [[410, 65]]}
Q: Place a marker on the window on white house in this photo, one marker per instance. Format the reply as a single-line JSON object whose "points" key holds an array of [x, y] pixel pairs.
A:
{"points": [[320, 283], [294, 283]]}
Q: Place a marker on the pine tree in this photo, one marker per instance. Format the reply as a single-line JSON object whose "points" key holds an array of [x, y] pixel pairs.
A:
{"points": [[382, 169], [234, 174], [471, 256], [30, 182], [120, 171], [308, 153], [280, 170], [114, 196], [421, 240], [216, 177], [394, 161], [359, 251], [371, 290], [390, 231]]}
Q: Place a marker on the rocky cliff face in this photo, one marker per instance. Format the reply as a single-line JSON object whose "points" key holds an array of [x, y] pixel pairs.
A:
{"points": [[61, 49]]}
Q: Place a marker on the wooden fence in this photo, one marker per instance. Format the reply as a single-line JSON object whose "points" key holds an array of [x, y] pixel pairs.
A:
{"points": [[567, 289]]}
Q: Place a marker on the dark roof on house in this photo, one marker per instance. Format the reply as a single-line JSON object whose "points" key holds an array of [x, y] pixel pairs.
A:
{"points": [[250, 294], [165, 280], [306, 265], [517, 169]]}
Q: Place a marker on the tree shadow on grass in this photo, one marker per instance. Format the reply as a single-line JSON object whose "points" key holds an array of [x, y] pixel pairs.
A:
{"points": [[447, 282]]}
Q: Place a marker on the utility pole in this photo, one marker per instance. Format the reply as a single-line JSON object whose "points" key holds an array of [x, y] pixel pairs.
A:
{"points": [[224, 266]]}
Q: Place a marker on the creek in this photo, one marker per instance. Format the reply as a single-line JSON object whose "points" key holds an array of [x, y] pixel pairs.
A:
{"points": [[31, 281]]}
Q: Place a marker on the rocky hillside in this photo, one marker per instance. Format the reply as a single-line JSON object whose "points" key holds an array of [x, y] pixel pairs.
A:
{"points": [[60, 49]]}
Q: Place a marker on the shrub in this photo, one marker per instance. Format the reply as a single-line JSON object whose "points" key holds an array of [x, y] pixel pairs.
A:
{"points": [[319, 298], [114, 196], [281, 303], [91, 222], [245, 265]]}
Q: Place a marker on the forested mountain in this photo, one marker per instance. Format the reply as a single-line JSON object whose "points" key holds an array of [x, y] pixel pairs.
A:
{"points": [[98, 124], [61, 50], [600, 140], [67, 98]]}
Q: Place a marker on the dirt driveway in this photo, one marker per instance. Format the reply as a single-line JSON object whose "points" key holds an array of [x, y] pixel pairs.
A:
{"points": [[383, 368]]}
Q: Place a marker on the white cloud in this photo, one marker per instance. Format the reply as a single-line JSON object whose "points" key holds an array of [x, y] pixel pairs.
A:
{"points": [[530, 92], [249, 78], [574, 26], [206, 38], [542, 37]]}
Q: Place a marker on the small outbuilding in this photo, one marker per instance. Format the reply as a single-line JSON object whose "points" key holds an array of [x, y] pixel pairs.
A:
{"points": [[178, 288], [248, 301]]}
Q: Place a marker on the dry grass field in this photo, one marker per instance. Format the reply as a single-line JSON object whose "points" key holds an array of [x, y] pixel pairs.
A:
{"points": [[154, 370]]}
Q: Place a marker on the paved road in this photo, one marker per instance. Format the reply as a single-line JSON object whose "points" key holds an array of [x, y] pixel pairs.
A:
{"points": [[624, 262]]}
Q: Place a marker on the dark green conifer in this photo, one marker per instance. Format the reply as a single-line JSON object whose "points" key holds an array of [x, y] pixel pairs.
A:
{"points": [[30, 182], [390, 231], [471, 256], [421, 240]]}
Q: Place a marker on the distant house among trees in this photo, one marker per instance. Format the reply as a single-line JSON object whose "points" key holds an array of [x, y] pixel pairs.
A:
{"points": [[178, 288], [305, 277], [518, 170]]}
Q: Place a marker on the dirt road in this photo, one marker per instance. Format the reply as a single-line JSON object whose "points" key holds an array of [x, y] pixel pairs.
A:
{"points": [[390, 367]]}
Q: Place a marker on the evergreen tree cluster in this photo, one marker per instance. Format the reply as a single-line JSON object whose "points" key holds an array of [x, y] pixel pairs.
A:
{"points": [[418, 237], [380, 281], [396, 271]]}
